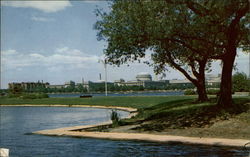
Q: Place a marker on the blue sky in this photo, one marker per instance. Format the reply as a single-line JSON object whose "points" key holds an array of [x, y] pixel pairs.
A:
{"points": [[55, 42]]}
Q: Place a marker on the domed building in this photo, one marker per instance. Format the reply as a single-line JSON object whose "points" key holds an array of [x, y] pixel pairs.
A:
{"points": [[144, 77]]}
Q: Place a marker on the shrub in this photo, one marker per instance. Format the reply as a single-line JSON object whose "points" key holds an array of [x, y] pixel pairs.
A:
{"points": [[29, 96], [189, 92], [115, 118], [42, 95], [213, 91], [11, 95], [34, 95]]}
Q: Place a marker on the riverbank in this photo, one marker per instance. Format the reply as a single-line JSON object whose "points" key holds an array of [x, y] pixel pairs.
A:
{"points": [[175, 116], [74, 132]]}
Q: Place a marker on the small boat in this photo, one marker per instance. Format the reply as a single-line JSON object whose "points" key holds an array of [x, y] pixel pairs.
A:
{"points": [[85, 96]]}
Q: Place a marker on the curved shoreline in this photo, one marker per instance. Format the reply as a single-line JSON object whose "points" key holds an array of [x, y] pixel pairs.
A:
{"points": [[129, 109], [72, 131]]}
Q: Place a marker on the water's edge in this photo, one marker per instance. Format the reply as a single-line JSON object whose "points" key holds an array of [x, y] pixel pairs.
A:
{"points": [[70, 131]]}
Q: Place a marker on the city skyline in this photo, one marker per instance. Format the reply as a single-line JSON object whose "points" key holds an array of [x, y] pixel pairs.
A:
{"points": [[57, 42]]}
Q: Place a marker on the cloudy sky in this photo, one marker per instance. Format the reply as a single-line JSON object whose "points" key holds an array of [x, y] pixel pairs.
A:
{"points": [[55, 42]]}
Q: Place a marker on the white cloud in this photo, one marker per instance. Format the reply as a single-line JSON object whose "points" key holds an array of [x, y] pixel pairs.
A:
{"points": [[45, 6], [42, 19], [62, 49], [62, 58], [9, 52]]}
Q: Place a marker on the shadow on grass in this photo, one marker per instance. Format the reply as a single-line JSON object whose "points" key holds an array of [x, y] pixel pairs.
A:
{"points": [[185, 113]]}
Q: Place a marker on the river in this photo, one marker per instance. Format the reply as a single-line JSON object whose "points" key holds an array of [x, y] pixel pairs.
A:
{"points": [[17, 122]]}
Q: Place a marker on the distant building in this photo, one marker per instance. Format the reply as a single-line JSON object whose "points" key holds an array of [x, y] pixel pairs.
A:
{"points": [[28, 85], [119, 82], [180, 82], [65, 85], [69, 84], [55, 86], [142, 79], [213, 80]]}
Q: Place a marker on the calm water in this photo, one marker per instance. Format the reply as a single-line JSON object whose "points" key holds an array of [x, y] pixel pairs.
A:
{"points": [[122, 94], [16, 121]]}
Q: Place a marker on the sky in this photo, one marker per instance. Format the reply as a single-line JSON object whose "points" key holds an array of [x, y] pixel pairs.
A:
{"points": [[55, 42]]}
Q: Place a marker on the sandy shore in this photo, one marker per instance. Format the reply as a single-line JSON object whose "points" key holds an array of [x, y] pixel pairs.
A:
{"points": [[72, 132]]}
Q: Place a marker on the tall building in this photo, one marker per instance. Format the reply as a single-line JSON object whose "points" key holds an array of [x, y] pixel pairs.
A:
{"points": [[28, 85], [142, 79]]}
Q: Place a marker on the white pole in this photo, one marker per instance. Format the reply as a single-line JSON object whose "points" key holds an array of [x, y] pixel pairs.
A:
{"points": [[104, 61], [106, 85]]}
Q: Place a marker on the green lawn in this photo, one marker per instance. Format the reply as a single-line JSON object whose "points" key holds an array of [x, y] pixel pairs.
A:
{"points": [[130, 101]]}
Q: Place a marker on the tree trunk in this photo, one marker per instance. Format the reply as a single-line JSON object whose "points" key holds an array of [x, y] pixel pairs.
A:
{"points": [[202, 93], [201, 82], [225, 96]]}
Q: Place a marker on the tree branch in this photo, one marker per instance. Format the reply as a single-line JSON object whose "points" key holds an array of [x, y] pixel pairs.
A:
{"points": [[176, 66]]}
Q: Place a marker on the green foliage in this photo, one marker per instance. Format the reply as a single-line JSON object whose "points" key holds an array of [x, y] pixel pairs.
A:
{"points": [[213, 91], [185, 35], [132, 27], [209, 91], [16, 90], [29, 95], [240, 82], [34, 96], [190, 92], [115, 118]]}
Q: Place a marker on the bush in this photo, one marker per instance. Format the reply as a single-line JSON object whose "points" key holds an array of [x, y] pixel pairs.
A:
{"points": [[29, 95], [189, 92], [240, 82], [11, 95], [213, 91], [115, 118], [42, 95]]}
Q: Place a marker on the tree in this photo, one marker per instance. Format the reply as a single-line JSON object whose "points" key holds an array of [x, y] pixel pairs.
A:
{"points": [[16, 90], [182, 33], [226, 22], [132, 27], [240, 82]]}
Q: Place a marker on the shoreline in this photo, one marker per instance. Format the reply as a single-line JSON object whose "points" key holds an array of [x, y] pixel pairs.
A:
{"points": [[73, 131], [128, 109]]}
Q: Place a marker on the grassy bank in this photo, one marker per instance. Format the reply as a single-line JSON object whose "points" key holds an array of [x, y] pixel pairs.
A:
{"points": [[187, 118]]}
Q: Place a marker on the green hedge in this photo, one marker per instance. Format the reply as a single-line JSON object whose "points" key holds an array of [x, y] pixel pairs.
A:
{"points": [[29, 95], [209, 92], [190, 92], [213, 91]]}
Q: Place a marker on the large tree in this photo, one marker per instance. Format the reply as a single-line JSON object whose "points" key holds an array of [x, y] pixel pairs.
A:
{"points": [[132, 27], [227, 22], [185, 34]]}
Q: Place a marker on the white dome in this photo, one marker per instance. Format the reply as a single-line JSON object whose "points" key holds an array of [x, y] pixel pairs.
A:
{"points": [[143, 73], [144, 77]]}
